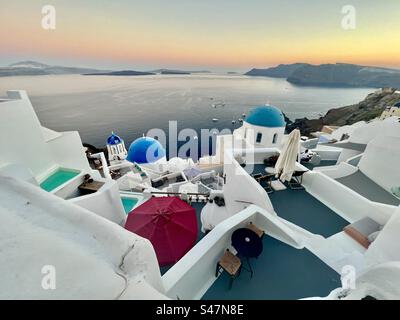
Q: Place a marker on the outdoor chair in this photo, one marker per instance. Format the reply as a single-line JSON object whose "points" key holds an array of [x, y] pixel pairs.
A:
{"points": [[267, 179], [297, 179], [255, 229], [271, 161], [256, 175], [231, 264], [157, 183]]}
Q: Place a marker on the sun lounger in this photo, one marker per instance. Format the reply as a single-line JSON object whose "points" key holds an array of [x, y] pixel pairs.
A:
{"points": [[297, 179], [362, 230]]}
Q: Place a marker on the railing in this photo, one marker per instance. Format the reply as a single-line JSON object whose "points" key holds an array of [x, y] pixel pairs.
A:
{"points": [[189, 195]]}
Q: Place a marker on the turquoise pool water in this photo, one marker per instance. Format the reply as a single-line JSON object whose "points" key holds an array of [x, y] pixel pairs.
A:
{"points": [[57, 179], [129, 204]]}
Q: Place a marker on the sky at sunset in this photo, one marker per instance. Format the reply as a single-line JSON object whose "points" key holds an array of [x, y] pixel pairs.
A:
{"points": [[211, 34]]}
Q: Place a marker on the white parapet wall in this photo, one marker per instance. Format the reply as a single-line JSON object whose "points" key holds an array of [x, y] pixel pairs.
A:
{"points": [[21, 137], [23, 141], [106, 202], [67, 150]]}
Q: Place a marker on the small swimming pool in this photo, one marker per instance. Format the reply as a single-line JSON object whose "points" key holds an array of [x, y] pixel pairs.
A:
{"points": [[129, 203], [58, 178]]}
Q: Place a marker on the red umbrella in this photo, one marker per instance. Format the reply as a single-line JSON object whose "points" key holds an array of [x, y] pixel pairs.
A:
{"points": [[169, 223]]}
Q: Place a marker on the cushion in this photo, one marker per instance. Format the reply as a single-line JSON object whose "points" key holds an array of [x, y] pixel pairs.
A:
{"points": [[362, 229], [357, 236], [366, 226], [372, 236]]}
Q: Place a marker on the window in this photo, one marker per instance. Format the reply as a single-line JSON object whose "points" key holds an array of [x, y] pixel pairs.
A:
{"points": [[275, 138], [259, 137], [245, 133]]}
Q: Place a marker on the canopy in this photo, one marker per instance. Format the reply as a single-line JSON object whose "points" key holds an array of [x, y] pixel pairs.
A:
{"points": [[169, 223], [286, 164]]}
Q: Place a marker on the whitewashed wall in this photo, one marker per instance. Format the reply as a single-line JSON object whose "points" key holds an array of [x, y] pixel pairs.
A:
{"points": [[21, 138], [106, 202], [67, 150], [240, 186], [381, 161]]}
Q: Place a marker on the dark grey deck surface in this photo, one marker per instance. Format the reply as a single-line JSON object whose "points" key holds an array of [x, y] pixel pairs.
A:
{"points": [[280, 273], [363, 185], [301, 208], [351, 146]]}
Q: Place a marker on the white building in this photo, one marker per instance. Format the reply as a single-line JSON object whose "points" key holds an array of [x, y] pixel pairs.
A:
{"points": [[393, 111], [55, 161]]}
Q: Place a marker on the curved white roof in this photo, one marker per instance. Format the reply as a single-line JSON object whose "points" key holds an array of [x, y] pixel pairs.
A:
{"points": [[93, 257]]}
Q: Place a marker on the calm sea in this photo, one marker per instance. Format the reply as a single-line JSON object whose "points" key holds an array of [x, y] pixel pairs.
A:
{"points": [[130, 106]]}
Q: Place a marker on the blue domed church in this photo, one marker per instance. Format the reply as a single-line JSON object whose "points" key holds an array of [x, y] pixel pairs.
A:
{"points": [[264, 127], [145, 150], [116, 148]]}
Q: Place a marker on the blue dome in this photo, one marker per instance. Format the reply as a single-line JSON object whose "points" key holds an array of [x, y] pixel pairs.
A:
{"points": [[266, 116], [114, 139], [145, 150]]}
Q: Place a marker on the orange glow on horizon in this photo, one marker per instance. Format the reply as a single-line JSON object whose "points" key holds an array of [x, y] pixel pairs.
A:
{"points": [[101, 37]]}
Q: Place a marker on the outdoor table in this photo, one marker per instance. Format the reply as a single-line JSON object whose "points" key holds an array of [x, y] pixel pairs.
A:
{"points": [[248, 244]]}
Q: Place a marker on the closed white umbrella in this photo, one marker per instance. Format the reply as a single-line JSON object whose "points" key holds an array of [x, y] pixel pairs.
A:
{"points": [[286, 164]]}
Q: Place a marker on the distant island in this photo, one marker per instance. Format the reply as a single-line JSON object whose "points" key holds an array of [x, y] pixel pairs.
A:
{"points": [[332, 75], [120, 73], [281, 71], [33, 68], [178, 72]]}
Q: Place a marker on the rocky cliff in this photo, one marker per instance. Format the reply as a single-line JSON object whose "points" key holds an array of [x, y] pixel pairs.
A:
{"points": [[371, 107], [332, 75]]}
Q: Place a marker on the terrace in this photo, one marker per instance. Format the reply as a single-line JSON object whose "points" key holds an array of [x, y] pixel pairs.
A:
{"points": [[282, 271]]}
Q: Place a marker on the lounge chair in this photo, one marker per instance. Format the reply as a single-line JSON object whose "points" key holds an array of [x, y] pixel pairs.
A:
{"points": [[267, 179], [256, 175], [363, 231], [297, 179]]}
